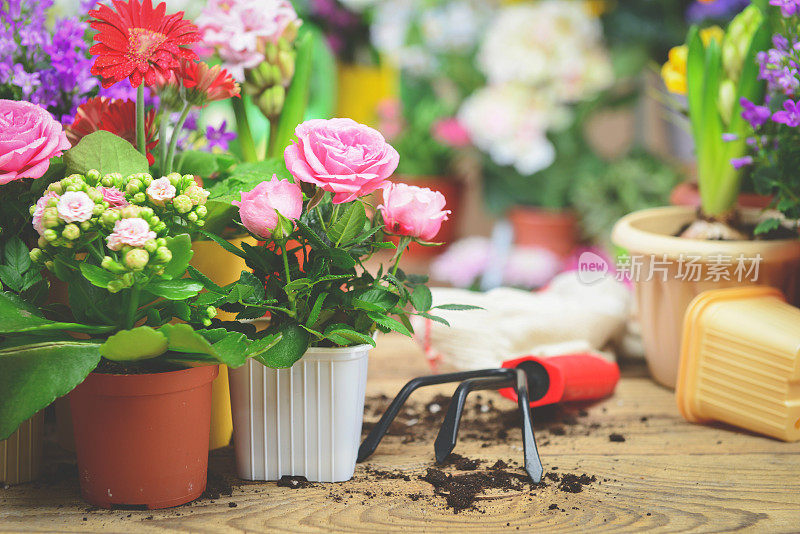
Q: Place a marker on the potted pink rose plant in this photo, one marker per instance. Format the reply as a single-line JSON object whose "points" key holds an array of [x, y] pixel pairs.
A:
{"points": [[298, 410]]}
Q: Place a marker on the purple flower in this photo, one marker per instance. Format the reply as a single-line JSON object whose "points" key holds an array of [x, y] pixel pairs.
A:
{"points": [[719, 9], [219, 137], [788, 7], [755, 115], [738, 163], [790, 116], [728, 137]]}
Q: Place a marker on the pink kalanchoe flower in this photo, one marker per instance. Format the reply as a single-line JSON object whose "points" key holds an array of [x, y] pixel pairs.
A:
{"points": [[41, 205], [341, 156], [75, 206], [258, 207], [134, 232], [161, 190], [114, 197], [450, 132], [413, 211], [29, 138]]}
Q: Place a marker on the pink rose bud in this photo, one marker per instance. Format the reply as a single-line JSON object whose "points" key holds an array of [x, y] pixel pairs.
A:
{"points": [[75, 206], [160, 191], [341, 156], [258, 207], [29, 138], [134, 232], [413, 211], [38, 212], [114, 197]]}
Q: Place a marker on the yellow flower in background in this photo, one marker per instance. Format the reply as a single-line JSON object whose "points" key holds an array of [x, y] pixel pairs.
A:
{"points": [[674, 70], [712, 32]]}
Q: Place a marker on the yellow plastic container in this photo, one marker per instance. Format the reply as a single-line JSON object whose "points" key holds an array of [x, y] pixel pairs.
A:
{"points": [[740, 361], [361, 88], [21, 453], [223, 268]]}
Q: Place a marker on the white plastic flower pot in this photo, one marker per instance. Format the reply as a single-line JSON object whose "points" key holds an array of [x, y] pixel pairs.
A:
{"points": [[302, 421]]}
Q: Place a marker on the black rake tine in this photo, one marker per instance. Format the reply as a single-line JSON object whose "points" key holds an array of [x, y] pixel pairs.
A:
{"points": [[533, 463], [375, 436]]}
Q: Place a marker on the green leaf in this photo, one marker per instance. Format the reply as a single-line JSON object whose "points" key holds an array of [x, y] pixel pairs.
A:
{"points": [[349, 224], [233, 249], [216, 345], [345, 335], [421, 298], [107, 153], [181, 248], [17, 316], [11, 278], [456, 307], [205, 164], [17, 255], [203, 279], [375, 299], [340, 258], [389, 322], [180, 289], [294, 109], [33, 376], [140, 343], [435, 318], [293, 344], [97, 275], [315, 310], [767, 225], [311, 235]]}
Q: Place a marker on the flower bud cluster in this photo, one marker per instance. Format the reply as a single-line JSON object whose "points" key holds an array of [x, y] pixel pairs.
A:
{"points": [[268, 81]]}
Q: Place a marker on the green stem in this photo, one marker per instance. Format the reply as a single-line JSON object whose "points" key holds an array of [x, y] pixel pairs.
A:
{"points": [[133, 304], [140, 139], [243, 131], [401, 247], [321, 219], [334, 214], [273, 138], [162, 141], [175, 134], [285, 262]]}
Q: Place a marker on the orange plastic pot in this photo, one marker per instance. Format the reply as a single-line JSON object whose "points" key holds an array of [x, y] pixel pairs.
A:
{"points": [[143, 439], [556, 231]]}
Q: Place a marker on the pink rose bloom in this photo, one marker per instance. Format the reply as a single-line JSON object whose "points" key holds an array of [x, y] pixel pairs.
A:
{"points": [[75, 206], [114, 197], [29, 138], [450, 132], [160, 190], [134, 232], [41, 205], [258, 207], [341, 156], [413, 211]]}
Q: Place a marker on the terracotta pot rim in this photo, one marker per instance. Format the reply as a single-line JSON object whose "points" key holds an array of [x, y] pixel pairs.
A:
{"points": [[143, 385], [635, 232], [538, 211]]}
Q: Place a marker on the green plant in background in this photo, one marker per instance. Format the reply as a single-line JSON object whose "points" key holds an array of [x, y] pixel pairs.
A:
{"points": [[718, 76]]}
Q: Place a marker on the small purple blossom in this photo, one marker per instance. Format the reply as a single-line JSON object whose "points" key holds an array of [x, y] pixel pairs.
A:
{"points": [[753, 114], [788, 7], [728, 137], [719, 9], [219, 137], [790, 115], [738, 163]]}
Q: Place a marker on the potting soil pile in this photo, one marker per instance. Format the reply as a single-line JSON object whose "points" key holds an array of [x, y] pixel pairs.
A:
{"points": [[568, 316]]}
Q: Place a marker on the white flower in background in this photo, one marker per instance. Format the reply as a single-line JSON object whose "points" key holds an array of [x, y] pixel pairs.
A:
{"points": [[510, 122], [552, 42], [454, 26], [391, 25]]}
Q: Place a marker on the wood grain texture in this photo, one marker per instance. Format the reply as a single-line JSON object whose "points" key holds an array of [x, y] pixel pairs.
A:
{"points": [[667, 476]]}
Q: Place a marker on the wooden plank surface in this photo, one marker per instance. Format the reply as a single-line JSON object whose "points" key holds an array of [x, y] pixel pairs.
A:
{"points": [[667, 476]]}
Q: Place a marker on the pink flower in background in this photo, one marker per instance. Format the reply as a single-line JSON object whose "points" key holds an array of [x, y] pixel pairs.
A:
{"points": [[258, 207], [450, 132], [114, 197], [413, 211], [390, 117], [41, 205], [239, 29], [29, 138], [160, 190], [341, 156], [75, 206], [134, 232]]}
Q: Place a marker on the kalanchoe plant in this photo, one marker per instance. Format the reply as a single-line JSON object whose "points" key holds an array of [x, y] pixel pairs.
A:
{"points": [[774, 139], [121, 245], [309, 274]]}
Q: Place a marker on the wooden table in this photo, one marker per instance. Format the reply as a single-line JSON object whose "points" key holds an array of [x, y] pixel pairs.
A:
{"points": [[667, 475]]}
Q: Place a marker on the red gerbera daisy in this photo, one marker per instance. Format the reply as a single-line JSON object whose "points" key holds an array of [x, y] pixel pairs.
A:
{"points": [[115, 116], [138, 41], [208, 84]]}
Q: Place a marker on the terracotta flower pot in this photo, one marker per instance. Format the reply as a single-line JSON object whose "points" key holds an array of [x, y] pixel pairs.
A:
{"points": [[556, 231], [222, 268], [21, 453], [662, 299], [453, 192], [687, 194], [143, 439]]}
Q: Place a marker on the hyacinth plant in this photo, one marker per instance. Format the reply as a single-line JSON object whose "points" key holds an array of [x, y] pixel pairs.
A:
{"points": [[716, 70], [774, 140], [317, 231]]}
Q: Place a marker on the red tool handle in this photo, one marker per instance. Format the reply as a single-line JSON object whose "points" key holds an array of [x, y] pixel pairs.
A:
{"points": [[570, 377]]}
